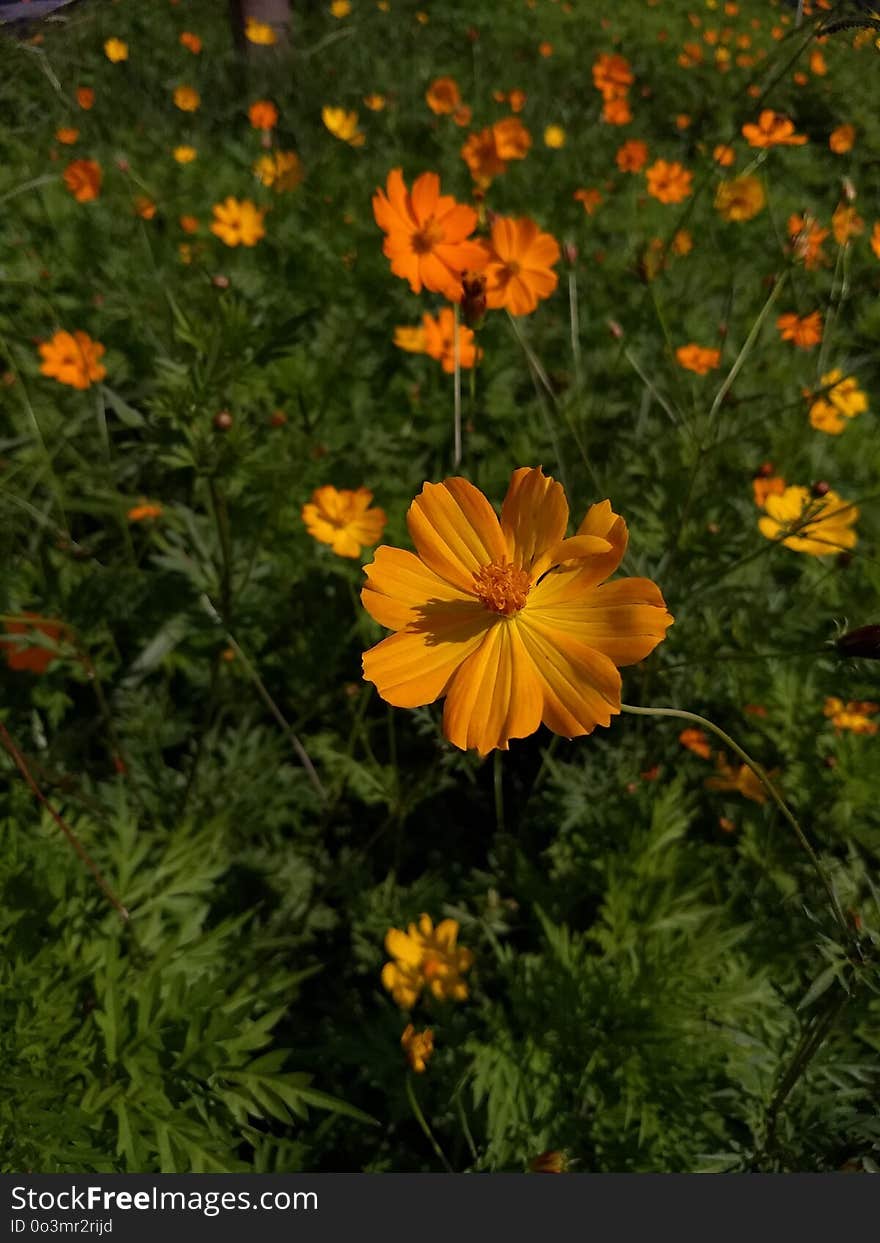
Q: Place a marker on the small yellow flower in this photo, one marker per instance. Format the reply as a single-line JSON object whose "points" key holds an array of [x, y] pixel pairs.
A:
{"points": [[259, 32], [116, 50], [281, 170], [186, 98], [185, 155], [805, 523], [842, 400], [344, 518], [741, 780], [418, 1047], [428, 958], [340, 8], [343, 125], [238, 222], [554, 137], [739, 199]]}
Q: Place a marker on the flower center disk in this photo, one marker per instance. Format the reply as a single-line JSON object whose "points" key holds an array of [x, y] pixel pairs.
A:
{"points": [[502, 587]]}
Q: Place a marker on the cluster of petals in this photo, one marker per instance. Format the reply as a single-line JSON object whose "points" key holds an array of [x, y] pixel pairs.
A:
{"points": [[509, 620], [740, 199], [772, 130], [263, 114], [739, 779], [426, 959], [698, 358], [806, 523], [488, 152], [83, 180], [73, 358], [854, 716], [343, 125], [418, 1047], [436, 338], [444, 99], [669, 181], [632, 156], [344, 518], [803, 331], [807, 237], [841, 399]]}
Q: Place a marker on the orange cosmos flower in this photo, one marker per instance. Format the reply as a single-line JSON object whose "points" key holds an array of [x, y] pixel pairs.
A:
{"points": [[418, 1047], [186, 98], [260, 33], [695, 740], [875, 239], [343, 519], [589, 198], [545, 49], [427, 234], [67, 137], [440, 340], [83, 180], [443, 96], [724, 155], [616, 112], [804, 333], [741, 780], [767, 485], [189, 224], [263, 114], [807, 238], [846, 223], [805, 523], [612, 75], [375, 102], [669, 181], [72, 358], [85, 97], [842, 139], [772, 130], [238, 222], [519, 267], [682, 242], [25, 657], [698, 359], [508, 619], [191, 42], [146, 511], [632, 156]]}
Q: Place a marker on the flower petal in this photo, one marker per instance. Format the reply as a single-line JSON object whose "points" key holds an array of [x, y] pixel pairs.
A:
{"points": [[455, 530], [533, 518], [414, 666], [495, 695], [624, 620], [399, 586], [581, 687]]}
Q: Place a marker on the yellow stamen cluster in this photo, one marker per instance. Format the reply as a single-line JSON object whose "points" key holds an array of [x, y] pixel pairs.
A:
{"points": [[502, 587]]}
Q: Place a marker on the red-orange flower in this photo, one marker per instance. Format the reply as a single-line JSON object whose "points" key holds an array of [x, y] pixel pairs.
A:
{"points": [[612, 75], [427, 234], [697, 358], [508, 619], [487, 152], [842, 139], [807, 238], [589, 198], [669, 181], [263, 114], [695, 740], [83, 180], [443, 96], [85, 97], [616, 112], [632, 156], [191, 42], [519, 271], [772, 130], [803, 332], [29, 657]]}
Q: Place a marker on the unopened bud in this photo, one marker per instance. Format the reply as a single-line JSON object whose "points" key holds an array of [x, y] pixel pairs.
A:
{"points": [[821, 488], [277, 418], [223, 421], [864, 641], [220, 282], [473, 298], [615, 329], [849, 190], [570, 251], [765, 470]]}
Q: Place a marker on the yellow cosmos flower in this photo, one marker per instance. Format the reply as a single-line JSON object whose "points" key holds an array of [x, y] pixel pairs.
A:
{"points": [[843, 400], [741, 780], [116, 50], [343, 125], [259, 32], [418, 1047], [554, 137], [854, 716], [739, 199], [508, 619], [238, 222], [185, 155], [806, 523], [426, 958], [186, 98], [340, 8], [343, 519], [281, 170]]}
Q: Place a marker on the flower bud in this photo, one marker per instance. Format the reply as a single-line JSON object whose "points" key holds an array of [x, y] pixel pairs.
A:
{"points": [[570, 251], [223, 421], [277, 418], [864, 641], [820, 489], [552, 1162], [473, 298]]}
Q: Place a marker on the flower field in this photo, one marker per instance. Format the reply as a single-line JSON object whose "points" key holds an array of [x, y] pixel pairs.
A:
{"points": [[439, 631]]}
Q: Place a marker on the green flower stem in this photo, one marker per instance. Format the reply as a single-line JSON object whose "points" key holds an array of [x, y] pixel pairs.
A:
{"points": [[771, 789], [423, 1123], [456, 388]]}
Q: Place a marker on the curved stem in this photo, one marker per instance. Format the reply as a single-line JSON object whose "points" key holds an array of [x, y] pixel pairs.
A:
{"points": [[423, 1123], [771, 789]]}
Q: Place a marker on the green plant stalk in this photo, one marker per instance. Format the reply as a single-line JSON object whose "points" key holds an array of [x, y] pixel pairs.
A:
{"points": [[456, 389], [771, 789], [423, 1123]]}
